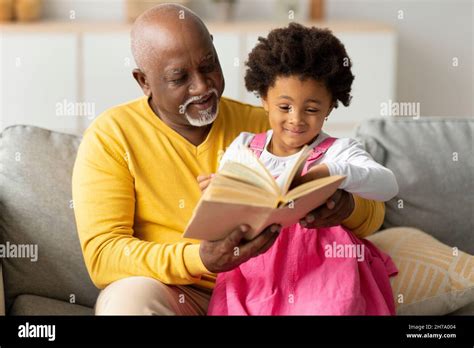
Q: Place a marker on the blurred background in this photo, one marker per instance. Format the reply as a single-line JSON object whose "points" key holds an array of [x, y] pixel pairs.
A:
{"points": [[63, 62]]}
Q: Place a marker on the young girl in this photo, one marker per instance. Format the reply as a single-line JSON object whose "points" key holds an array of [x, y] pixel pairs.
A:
{"points": [[301, 73]]}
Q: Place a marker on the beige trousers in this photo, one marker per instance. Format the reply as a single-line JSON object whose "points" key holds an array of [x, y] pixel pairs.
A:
{"points": [[148, 296]]}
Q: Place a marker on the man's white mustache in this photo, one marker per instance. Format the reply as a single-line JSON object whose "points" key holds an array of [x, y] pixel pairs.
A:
{"points": [[200, 97]]}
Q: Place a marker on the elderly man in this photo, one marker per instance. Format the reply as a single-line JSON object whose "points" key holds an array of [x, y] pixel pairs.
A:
{"points": [[134, 180]]}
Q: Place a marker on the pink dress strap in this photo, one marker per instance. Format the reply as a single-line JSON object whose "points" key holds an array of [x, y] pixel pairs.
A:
{"points": [[318, 151], [257, 144]]}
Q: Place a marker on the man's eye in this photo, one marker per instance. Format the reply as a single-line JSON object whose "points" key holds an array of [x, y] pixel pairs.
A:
{"points": [[179, 80]]}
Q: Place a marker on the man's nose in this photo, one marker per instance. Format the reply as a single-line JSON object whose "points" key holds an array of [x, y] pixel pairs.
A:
{"points": [[199, 84]]}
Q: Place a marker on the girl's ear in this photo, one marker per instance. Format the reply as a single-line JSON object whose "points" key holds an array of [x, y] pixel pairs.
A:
{"points": [[330, 109]]}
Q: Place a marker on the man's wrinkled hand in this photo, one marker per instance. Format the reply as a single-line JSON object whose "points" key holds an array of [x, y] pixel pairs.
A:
{"points": [[338, 207], [225, 254]]}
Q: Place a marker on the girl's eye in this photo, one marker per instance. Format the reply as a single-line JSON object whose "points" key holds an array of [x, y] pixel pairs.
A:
{"points": [[312, 110], [285, 107]]}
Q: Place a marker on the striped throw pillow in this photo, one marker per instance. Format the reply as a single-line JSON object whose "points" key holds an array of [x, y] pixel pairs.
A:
{"points": [[433, 278]]}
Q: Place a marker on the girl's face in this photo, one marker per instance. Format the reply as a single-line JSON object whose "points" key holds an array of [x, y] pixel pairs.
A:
{"points": [[297, 110]]}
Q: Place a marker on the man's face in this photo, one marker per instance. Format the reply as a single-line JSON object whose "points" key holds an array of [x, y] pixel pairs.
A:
{"points": [[184, 78]]}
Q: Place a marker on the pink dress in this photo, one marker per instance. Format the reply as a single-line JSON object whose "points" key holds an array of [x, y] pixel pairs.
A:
{"points": [[323, 271]]}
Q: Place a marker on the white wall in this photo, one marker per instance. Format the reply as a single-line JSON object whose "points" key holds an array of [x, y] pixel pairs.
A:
{"points": [[115, 9], [252, 10], [431, 34], [111, 10]]}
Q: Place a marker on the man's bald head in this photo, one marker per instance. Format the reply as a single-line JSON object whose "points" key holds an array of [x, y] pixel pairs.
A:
{"points": [[159, 26]]}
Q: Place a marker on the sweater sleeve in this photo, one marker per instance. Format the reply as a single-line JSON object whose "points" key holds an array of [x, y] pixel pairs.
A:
{"points": [[104, 207], [366, 218]]}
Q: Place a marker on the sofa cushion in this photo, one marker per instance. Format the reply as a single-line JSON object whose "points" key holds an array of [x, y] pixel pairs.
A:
{"points": [[433, 279], [466, 310], [38, 305], [432, 159], [35, 210]]}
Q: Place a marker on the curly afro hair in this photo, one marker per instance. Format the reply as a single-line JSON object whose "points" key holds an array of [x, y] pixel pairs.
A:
{"points": [[305, 52]]}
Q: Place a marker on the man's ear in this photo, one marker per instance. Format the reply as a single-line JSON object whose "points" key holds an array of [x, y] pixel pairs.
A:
{"points": [[140, 77]]}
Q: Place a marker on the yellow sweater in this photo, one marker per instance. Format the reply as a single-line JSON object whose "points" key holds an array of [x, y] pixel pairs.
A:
{"points": [[134, 189]]}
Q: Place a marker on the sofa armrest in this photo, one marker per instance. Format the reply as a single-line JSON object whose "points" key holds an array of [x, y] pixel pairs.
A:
{"points": [[2, 294]]}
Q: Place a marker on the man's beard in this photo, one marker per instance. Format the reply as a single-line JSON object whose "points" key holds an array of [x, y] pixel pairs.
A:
{"points": [[207, 116]]}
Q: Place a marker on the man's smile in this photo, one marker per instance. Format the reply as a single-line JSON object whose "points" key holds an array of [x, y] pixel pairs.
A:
{"points": [[205, 103]]}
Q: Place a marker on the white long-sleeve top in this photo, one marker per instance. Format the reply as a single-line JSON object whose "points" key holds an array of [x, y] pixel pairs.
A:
{"points": [[346, 156]]}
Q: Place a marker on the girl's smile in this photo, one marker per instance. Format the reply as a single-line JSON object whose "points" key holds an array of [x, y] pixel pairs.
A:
{"points": [[294, 132]]}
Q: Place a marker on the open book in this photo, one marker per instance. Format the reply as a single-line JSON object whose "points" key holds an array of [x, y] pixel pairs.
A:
{"points": [[244, 192]]}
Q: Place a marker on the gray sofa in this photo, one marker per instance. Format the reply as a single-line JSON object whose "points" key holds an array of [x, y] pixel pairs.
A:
{"points": [[35, 203]]}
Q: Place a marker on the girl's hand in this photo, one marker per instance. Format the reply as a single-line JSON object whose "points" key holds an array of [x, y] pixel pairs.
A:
{"points": [[204, 181]]}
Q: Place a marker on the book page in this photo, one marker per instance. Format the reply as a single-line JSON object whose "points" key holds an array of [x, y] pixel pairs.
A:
{"points": [[284, 176], [228, 190], [314, 185], [240, 166], [298, 208], [214, 220], [241, 173], [290, 171]]}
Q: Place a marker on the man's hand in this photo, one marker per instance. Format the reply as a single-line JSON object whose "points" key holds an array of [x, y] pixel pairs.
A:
{"points": [[226, 254], [204, 181], [337, 208]]}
